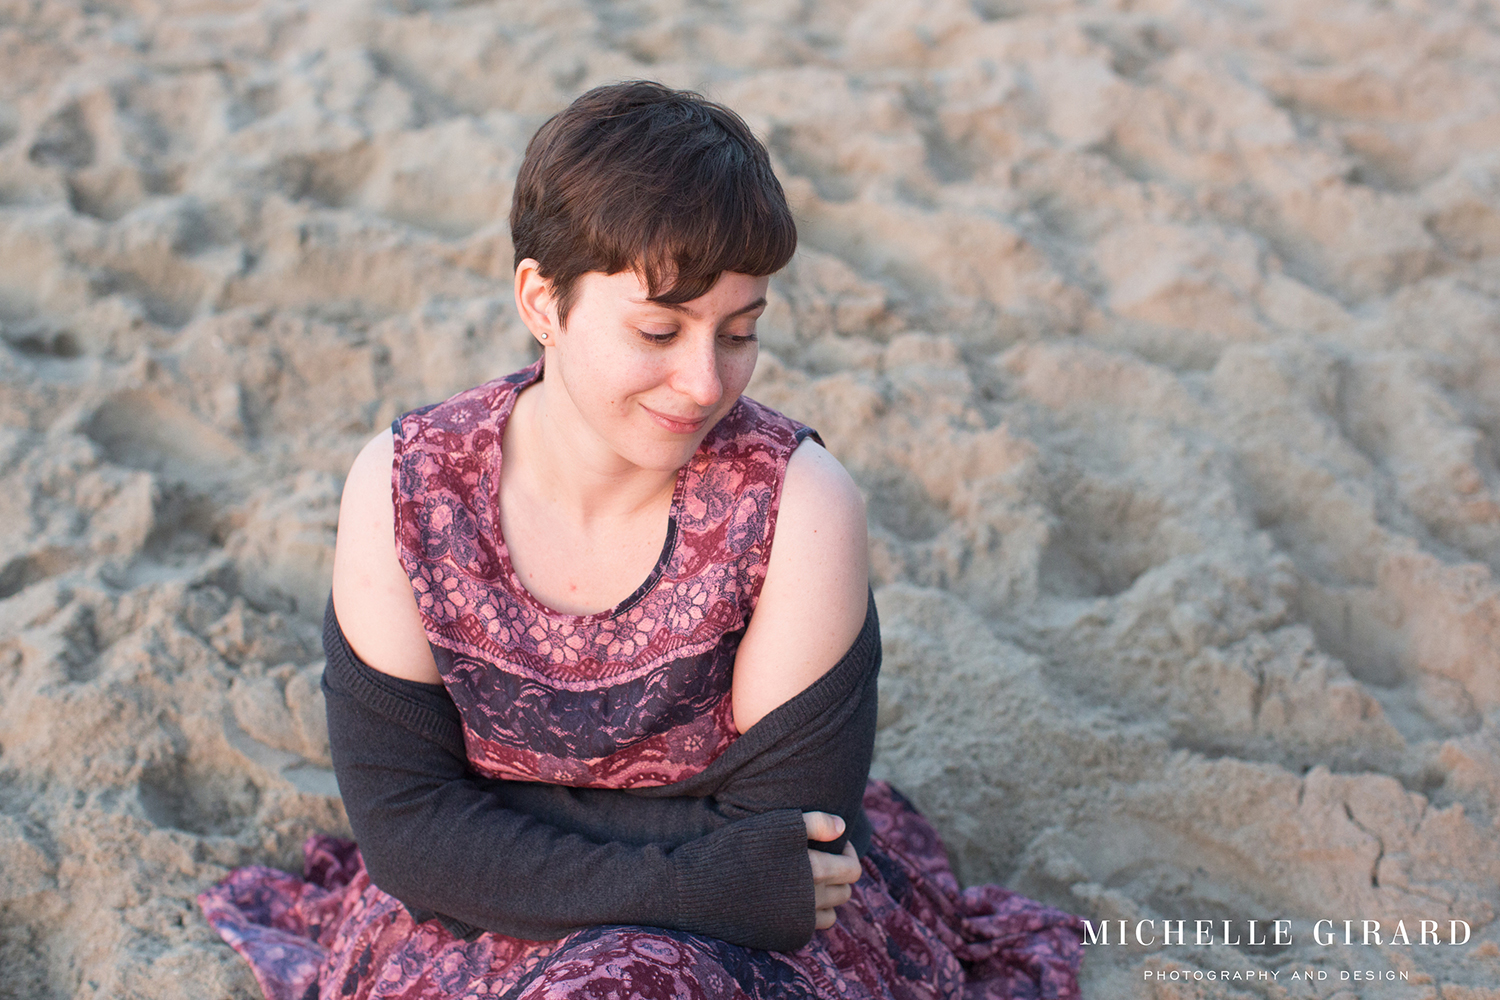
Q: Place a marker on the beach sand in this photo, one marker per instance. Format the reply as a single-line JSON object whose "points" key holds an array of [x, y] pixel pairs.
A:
{"points": [[1163, 338]]}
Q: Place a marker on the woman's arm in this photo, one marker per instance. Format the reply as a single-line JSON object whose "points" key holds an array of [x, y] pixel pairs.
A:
{"points": [[376, 609], [811, 752], [812, 604]]}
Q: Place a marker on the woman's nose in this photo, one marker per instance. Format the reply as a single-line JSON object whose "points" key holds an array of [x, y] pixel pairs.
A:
{"points": [[697, 374]]}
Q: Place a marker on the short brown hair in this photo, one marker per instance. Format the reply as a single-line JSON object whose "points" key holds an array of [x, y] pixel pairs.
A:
{"points": [[637, 176]]}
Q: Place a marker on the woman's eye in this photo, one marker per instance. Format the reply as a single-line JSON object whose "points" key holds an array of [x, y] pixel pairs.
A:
{"points": [[657, 338], [741, 333]]}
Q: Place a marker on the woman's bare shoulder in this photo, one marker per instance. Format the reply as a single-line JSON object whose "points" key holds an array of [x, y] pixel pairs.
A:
{"points": [[372, 595], [815, 595]]}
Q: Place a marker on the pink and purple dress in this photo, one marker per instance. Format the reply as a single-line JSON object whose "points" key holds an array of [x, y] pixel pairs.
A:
{"points": [[632, 697]]}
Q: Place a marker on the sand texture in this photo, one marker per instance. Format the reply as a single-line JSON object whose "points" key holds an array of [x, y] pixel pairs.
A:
{"points": [[1163, 337]]}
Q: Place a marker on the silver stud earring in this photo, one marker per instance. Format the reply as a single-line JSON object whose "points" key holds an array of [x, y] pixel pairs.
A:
{"points": [[544, 335]]}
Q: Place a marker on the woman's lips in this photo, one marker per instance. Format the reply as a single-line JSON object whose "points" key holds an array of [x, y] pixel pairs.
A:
{"points": [[675, 424]]}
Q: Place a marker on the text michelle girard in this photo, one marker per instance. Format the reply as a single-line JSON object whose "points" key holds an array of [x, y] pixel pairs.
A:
{"points": [[1270, 933]]}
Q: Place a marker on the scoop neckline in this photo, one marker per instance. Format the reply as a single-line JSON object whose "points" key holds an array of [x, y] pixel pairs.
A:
{"points": [[534, 374]]}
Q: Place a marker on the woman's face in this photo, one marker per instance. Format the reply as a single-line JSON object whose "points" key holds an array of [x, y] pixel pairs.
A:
{"points": [[650, 380]]}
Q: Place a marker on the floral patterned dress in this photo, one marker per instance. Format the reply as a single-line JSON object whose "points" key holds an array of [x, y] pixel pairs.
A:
{"points": [[631, 697]]}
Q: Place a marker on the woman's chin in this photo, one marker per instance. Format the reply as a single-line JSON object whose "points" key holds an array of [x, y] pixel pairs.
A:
{"points": [[651, 446], [666, 457]]}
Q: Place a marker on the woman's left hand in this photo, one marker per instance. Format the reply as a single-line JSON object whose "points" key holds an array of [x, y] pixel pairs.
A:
{"points": [[833, 874]]}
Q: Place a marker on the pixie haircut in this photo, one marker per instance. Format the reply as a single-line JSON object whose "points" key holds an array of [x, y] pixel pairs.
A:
{"points": [[637, 176]]}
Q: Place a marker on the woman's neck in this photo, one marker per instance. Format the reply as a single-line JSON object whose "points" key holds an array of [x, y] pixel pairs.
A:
{"points": [[559, 460]]}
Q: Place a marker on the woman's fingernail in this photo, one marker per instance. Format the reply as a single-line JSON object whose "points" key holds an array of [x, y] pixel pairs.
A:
{"points": [[838, 826]]}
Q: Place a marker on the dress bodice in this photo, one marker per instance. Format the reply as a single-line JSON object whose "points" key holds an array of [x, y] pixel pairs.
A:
{"points": [[633, 696]]}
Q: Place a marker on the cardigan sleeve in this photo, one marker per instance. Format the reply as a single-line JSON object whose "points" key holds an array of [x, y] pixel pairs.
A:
{"points": [[811, 752], [435, 838]]}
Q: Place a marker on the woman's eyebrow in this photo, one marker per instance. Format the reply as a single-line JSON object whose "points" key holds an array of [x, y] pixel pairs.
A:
{"points": [[681, 308]]}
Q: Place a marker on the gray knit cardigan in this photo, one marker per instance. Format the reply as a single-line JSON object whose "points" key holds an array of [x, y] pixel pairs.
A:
{"points": [[723, 853]]}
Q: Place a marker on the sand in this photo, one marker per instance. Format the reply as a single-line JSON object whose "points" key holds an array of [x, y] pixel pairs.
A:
{"points": [[1161, 336]]}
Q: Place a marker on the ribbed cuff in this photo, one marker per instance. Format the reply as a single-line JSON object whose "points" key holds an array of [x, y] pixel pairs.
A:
{"points": [[749, 883]]}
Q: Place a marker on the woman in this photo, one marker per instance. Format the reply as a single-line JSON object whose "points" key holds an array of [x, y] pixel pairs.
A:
{"points": [[569, 782]]}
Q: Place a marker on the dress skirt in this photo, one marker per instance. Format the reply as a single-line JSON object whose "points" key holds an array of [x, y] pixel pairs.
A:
{"points": [[908, 931]]}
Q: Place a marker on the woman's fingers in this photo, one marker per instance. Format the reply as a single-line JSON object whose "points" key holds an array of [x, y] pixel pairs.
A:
{"points": [[833, 874], [835, 869], [823, 826], [833, 878], [829, 896]]}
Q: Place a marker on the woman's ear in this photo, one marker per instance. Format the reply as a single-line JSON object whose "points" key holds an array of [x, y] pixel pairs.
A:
{"points": [[535, 303]]}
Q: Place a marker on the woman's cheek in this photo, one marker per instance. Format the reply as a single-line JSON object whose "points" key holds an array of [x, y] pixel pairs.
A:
{"points": [[740, 373]]}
